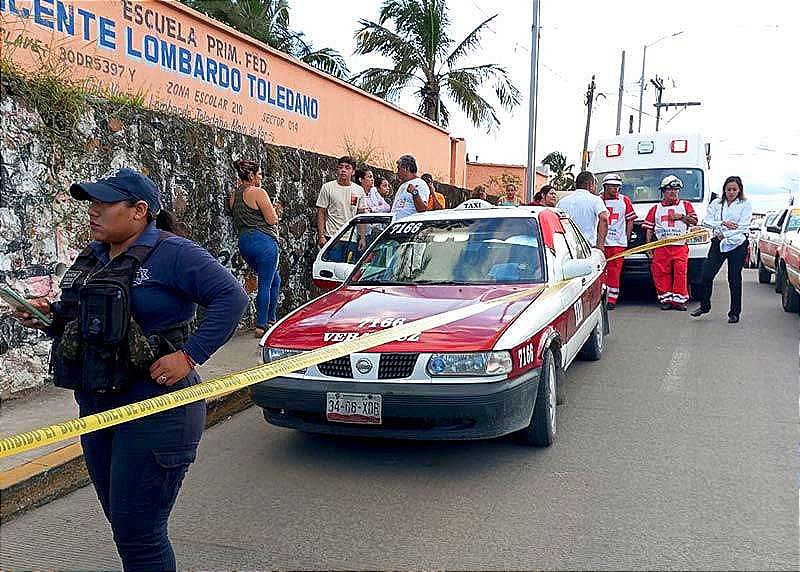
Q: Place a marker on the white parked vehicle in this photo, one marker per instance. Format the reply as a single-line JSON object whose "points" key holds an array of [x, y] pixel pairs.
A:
{"points": [[642, 160]]}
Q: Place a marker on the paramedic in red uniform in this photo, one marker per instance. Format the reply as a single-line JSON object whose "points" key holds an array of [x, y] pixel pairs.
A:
{"points": [[620, 225], [671, 217]]}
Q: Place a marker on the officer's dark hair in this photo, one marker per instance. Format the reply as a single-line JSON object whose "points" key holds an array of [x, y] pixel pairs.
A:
{"points": [[361, 173], [165, 220], [246, 169], [584, 180], [346, 160], [733, 179]]}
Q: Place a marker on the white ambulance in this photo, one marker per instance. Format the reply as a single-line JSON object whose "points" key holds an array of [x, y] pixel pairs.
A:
{"points": [[642, 160]]}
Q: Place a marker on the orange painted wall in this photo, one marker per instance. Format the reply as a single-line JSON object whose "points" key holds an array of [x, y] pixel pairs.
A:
{"points": [[492, 175], [111, 50]]}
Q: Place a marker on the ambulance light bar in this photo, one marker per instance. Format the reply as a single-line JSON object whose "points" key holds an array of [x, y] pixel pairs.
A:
{"points": [[645, 147], [679, 146], [614, 150]]}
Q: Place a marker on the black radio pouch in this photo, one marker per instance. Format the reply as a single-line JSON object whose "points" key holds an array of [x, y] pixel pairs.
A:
{"points": [[104, 318]]}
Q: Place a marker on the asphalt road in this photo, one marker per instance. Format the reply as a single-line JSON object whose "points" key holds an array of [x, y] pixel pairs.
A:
{"points": [[677, 451]]}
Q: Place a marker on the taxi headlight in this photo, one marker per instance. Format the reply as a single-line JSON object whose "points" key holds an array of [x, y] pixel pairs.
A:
{"points": [[269, 355], [469, 364], [700, 239]]}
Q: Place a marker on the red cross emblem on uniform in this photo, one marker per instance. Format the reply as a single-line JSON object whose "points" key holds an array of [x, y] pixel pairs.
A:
{"points": [[668, 217], [612, 216]]}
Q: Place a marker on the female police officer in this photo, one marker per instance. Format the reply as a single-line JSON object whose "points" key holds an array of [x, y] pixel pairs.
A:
{"points": [[123, 331]]}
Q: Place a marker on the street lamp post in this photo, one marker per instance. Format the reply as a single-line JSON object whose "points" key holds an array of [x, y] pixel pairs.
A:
{"points": [[641, 80], [530, 183]]}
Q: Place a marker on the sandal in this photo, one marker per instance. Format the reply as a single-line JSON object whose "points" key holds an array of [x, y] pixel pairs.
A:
{"points": [[259, 332]]}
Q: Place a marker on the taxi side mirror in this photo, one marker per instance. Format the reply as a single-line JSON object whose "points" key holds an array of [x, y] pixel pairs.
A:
{"points": [[714, 197], [774, 228], [577, 268]]}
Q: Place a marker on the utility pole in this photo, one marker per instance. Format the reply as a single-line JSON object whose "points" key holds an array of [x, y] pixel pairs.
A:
{"points": [[621, 89], [530, 183], [659, 85], [589, 102], [641, 79], [641, 89]]}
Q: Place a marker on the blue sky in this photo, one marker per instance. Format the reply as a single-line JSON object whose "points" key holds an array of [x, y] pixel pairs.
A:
{"points": [[737, 57]]}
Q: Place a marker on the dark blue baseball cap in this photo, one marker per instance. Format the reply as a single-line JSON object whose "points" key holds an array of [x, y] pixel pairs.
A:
{"points": [[120, 185]]}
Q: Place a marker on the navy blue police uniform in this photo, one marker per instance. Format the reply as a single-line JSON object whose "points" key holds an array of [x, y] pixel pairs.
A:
{"points": [[137, 467]]}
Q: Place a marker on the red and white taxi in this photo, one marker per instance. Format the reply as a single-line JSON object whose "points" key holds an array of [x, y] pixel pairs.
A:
{"points": [[496, 372]]}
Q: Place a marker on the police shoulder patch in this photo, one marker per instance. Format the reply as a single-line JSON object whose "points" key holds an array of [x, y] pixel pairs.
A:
{"points": [[69, 278]]}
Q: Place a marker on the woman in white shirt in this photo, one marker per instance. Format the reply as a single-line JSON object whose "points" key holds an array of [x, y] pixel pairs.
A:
{"points": [[375, 202], [729, 219]]}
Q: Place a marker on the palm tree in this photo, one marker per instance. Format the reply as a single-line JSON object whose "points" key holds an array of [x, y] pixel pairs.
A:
{"points": [[268, 22], [414, 35], [564, 178]]}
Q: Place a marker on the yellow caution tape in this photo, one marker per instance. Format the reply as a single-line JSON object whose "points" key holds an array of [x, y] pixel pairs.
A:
{"points": [[21, 442], [659, 243]]}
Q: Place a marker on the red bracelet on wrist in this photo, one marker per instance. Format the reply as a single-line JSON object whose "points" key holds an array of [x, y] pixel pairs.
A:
{"points": [[189, 359]]}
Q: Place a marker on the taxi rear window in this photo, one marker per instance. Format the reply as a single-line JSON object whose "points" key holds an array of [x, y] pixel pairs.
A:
{"points": [[472, 251]]}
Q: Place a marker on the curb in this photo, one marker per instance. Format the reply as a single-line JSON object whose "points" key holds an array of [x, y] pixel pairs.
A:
{"points": [[60, 472]]}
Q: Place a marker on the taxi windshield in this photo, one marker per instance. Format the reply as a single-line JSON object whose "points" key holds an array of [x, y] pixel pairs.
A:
{"points": [[477, 251]]}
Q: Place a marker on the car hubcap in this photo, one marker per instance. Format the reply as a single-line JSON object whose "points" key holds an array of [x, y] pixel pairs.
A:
{"points": [[551, 401]]}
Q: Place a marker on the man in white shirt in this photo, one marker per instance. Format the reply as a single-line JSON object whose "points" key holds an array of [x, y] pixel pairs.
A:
{"points": [[339, 201], [412, 195], [587, 210]]}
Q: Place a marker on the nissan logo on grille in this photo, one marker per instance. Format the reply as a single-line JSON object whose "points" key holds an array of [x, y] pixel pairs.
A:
{"points": [[364, 366]]}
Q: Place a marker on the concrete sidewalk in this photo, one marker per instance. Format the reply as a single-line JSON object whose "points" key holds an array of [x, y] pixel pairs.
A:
{"points": [[33, 477]]}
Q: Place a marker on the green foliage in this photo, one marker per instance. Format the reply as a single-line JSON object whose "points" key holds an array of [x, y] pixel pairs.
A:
{"points": [[59, 100], [563, 177], [269, 22], [414, 35]]}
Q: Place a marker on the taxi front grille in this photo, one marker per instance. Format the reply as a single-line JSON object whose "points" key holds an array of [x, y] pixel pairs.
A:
{"points": [[396, 366], [339, 367]]}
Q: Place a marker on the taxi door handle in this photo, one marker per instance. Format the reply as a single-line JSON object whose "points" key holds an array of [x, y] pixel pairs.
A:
{"points": [[583, 281]]}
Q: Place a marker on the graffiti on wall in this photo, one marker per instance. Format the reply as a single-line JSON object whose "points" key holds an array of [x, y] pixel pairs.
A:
{"points": [[184, 63]]}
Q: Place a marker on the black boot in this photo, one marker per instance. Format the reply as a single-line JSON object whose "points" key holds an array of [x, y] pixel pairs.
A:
{"points": [[699, 312]]}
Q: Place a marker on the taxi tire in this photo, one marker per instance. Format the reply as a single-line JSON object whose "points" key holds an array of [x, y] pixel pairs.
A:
{"points": [[592, 350], [764, 275], [541, 431], [790, 299]]}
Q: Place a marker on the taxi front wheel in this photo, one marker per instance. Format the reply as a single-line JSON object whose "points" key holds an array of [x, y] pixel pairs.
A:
{"points": [[541, 432]]}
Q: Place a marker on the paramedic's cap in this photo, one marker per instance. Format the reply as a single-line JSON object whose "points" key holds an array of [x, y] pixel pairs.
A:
{"points": [[671, 182], [120, 185], [612, 179]]}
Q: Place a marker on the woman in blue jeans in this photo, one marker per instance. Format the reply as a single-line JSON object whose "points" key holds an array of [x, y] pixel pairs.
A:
{"points": [[256, 221]]}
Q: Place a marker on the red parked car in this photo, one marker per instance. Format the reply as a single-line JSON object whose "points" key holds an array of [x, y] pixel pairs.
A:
{"points": [[788, 263]]}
